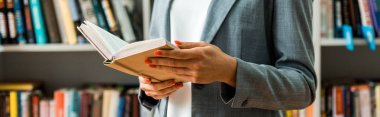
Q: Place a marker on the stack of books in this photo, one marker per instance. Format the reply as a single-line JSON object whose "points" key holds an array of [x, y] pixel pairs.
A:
{"points": [[359, 100], [26, 100], [54, 21], [350, 18]]}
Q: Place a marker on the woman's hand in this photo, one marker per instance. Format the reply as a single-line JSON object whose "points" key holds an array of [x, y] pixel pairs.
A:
{"points": [[196, 62], [158, 90]]}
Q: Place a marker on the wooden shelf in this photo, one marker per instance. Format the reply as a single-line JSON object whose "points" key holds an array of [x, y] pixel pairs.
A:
{"points": [[325, 42], [47, 48]]}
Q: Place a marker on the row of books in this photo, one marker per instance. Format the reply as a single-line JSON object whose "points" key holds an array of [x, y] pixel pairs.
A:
{"points": [[361, 100], [55, 21], [350, 18], [94, 101]]}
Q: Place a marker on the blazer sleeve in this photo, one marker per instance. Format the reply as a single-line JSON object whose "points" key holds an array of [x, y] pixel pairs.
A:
{"points": [[148, 102], [291, 82]]}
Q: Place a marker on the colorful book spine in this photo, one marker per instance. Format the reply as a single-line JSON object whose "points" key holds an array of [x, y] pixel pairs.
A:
{"points": [[375, 11], [338, 18], [13, 104], [3, 21], [28, 23], [20, 27], [59, 98], [35, 105], [367, 26], [123, 19], [99, 13], [109, 16], [51, 21], [346, 27], [77, 18], [38, 21], [11, 22], [19, 106], [121, 107], [67, 29], [88, 11]]}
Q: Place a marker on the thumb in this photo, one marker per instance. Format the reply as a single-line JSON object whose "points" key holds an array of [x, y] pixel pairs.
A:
{"points": [[189, 45]]}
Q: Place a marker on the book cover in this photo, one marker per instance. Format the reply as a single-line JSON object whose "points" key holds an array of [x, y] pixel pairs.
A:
{"points": [[13, 104], [20, 27], [38, 22], [3, 22], [100, 15], [51, 21], [59, 100], [28, 23], [124, 21], [11, 22]]}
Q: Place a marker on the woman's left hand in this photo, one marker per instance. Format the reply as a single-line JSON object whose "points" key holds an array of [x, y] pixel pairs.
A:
{"points": [[196, 62]]}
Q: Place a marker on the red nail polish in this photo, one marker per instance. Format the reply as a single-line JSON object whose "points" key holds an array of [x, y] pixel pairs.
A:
{"points": [[147, 61], [152, 66], [157, 53], [179, 85], [178, 42], [146, 80], [172, 82]]}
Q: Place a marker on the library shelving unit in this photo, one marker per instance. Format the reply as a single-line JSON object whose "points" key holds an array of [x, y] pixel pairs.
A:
{"points": [[61, 65]]}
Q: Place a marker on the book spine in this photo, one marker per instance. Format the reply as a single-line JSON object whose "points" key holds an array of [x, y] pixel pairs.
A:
{"points": [[51, 21], [44, 108], [124, 21], [51, 108], [367, 26], [99, 13], [77, 19], [11, 22], [7, 106], [346, 27], [121, 107], [59, 98], [88, 11], [28, 23], [35, 106], [338, 108], [375, 13], [67, 22], [338, 18], [109, 16], [38, 21], [13, 104], [19, 106], [25, 104], [3, 22], [19, 22]]}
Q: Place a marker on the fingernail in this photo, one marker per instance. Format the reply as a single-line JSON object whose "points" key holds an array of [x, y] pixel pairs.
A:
{"points": [[178, 42], [157, 53], [147, 80], [179, 85], [172, 82], [147, 61], [152, 66]]}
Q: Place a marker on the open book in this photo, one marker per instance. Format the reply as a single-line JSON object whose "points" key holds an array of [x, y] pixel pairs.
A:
{"points": [[125, 57]]}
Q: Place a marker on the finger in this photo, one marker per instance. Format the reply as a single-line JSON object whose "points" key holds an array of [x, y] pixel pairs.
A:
{"points": [[170, 62], [174, 70], [188, 45], [145, 80], [166, 90], [158, 86], [177, 53]]}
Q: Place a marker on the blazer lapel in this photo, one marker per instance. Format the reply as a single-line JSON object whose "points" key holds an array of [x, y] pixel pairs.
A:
{"points": [[218, 11]]}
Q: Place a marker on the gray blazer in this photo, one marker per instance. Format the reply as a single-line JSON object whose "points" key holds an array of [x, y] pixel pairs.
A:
{"points": [[272, 42]]}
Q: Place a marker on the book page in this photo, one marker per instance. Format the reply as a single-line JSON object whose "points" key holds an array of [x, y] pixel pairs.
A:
{"points": [[112, 42]]}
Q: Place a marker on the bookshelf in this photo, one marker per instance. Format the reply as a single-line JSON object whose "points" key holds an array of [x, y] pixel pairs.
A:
{"points": [[325, 42], [47, 48]]}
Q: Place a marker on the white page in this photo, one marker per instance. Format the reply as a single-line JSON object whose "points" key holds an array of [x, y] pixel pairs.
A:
{"points": [[112, 42], [92, 37]]}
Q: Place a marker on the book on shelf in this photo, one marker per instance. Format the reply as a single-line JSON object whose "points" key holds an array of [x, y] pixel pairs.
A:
{"points": [[125, 57], [353, 100], [88, 101], [348, 19], [54, 21]]}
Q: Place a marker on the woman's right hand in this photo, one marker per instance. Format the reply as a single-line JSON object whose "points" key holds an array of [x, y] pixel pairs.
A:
{"points": [[158, 90]]}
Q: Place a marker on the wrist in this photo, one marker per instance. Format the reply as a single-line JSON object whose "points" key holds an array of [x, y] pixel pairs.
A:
{"points": [[230, 78]]}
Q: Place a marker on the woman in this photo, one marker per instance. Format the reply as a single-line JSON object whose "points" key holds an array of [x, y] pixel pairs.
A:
{"points": [[243, 58]]}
